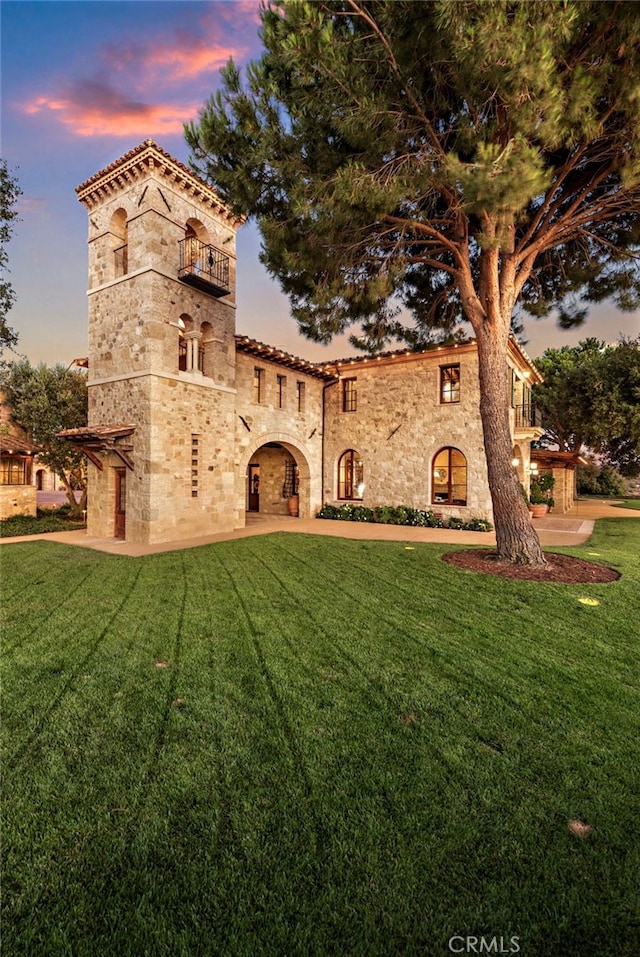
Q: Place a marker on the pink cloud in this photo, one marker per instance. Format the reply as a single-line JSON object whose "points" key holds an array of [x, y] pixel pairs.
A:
{"points": [[152, 86], [169, 61], [96, 109], [226, 30]]}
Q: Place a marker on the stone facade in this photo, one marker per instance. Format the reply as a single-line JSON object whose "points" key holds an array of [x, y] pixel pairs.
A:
{"points": [[400, 424], [17, 500], [223, 424]]}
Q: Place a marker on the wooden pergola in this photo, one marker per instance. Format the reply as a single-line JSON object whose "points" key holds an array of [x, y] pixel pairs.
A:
{"points": [[98, 440]]}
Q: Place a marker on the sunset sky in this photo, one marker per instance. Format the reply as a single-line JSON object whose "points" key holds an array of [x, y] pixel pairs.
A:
{"points": [[82, 83]]}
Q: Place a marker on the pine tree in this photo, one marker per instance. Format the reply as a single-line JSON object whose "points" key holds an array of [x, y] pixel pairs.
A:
{"points": [[467, 159]]}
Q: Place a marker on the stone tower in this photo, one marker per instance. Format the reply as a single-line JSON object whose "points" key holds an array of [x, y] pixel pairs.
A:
{"points": [[162, 257]]}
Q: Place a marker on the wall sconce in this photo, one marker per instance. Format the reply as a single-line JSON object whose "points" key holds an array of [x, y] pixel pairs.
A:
{"points": [[515, 462], [533, 467]]}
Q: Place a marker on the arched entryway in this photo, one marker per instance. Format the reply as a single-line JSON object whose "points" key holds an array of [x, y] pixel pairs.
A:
{"points": [[276, 480]]}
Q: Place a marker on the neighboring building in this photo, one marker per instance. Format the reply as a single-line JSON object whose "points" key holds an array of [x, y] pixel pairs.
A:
{"points": [[192, 426], [17, 494]]}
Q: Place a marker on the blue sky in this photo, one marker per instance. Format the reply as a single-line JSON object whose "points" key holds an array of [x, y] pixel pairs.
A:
{"points": [[84, 81]]}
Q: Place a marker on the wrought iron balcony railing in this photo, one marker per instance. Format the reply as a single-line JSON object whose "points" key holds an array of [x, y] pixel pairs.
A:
{"points": [[204, 266], [527, 417]]}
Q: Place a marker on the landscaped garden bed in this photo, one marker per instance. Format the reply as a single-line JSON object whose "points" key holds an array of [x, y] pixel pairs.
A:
{"points": [[46, 520], [400, 515]]}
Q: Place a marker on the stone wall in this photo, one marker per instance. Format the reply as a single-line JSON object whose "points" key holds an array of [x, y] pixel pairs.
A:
{"points": [[299, 432], [139, 310], [17, 500], [400, 425]]}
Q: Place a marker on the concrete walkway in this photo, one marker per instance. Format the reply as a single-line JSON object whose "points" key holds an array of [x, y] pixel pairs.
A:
{"points": [[573, 528]]}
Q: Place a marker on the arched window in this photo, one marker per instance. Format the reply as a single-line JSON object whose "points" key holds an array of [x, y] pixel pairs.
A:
{"points": [[449, 478], [350, 476]]}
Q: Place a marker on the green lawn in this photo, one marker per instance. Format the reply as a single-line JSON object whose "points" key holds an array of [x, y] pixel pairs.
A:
{"points": [[629, 503], [296, 745]]}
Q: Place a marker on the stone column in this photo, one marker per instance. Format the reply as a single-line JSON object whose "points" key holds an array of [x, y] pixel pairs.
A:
{"points": [[193, 342]]}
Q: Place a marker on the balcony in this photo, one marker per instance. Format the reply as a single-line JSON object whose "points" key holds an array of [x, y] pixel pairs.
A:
{"points": [[527, 416], [528, 422], [204, 266]]}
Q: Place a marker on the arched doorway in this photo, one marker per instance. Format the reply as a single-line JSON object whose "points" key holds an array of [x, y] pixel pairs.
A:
{"points": [[276, 480]]}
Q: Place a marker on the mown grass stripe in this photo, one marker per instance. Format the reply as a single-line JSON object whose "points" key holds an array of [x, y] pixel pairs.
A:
{"points": [[380, 800]]}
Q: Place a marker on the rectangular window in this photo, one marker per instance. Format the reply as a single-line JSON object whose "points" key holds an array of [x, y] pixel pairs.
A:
{"points": [[300, 396], [195, 459], [349, 395], [13, 471], [450, 383], [258, 385], [281, 391]]}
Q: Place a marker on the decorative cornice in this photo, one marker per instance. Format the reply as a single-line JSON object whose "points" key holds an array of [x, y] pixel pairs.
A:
{"points": [[140, 161]]}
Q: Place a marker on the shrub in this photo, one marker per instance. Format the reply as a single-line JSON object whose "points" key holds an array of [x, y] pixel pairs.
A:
{"points": [[398, 515], [47, 520], [604, 480], [346, 513], [359, 513], [478, 525]]}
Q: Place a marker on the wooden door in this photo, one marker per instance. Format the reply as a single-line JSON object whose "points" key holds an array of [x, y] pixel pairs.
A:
{"points": [[120, 503], [254, 488]]}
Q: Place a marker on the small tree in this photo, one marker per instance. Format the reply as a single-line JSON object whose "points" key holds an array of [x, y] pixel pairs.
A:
{"points": [[9, 193], [590, 398], [43, 401], [460, 157], [597, 479]]}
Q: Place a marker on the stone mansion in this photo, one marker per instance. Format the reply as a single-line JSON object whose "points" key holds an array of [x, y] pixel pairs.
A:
{"points": [[191, 426]]}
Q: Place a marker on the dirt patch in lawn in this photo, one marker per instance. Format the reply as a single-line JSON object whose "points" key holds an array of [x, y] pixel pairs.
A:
{"points": [[559, 568]]}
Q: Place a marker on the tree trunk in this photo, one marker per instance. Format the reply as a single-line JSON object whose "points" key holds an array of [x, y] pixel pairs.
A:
{"points": [[516, 538], [76, 509]]}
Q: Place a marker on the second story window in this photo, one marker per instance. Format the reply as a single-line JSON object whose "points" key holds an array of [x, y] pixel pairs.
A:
{"points": [[300, 396], [258, 385], [281, 391], [349, 395], [450, 384]]}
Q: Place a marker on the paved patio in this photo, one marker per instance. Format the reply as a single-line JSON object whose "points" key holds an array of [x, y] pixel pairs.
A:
{"points": [[573, 528]]}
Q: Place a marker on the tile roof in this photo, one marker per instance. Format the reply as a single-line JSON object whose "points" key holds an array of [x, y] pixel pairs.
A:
{"points": [[321, 370], [13, 443], [148, 155]]}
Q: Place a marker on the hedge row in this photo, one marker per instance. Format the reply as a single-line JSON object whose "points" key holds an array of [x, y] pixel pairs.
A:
{"points": [[400, 515]]}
